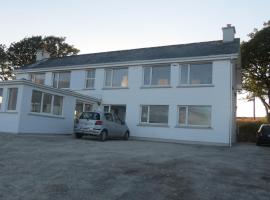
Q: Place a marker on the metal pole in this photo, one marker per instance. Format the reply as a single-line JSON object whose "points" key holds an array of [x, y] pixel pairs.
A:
{"points": [[254, 109]]}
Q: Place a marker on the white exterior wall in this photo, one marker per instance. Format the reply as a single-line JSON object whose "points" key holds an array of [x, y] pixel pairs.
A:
{"points": [[218, 96]]}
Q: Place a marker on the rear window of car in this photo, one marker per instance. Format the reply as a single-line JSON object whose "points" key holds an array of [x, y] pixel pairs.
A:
{"points": [[90, 115], [266, 129]]}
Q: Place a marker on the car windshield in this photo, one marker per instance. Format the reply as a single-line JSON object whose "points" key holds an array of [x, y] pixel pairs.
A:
{"points": [[90, 115], [266, 129]]}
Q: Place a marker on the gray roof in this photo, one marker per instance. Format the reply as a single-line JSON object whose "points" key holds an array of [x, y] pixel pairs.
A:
{"points": [[163, 52]]}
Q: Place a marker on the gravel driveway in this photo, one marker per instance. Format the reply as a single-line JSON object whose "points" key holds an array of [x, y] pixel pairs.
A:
{"points": [[61, 167]]}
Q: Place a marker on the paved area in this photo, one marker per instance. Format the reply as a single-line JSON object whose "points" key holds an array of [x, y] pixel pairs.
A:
{"points": [[61, 167]]}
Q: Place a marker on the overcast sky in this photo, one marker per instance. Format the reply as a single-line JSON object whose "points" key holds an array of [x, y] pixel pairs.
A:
{"points": [[104, 25]]}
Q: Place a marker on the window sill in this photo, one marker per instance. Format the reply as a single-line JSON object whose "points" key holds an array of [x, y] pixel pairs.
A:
{"points": [[46, 115], [195, 85], [114, 88], [155, 86], [193, 127], [9, 112], [88, 88], [153, 125]]}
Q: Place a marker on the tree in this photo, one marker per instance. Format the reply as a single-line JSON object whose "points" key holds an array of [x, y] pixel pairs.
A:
{"points": [[23, 52], [255, 56], [5, 66]]}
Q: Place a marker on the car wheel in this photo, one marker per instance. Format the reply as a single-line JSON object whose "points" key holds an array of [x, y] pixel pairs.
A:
{"points": [[103, 136], [126, 136], [78, 135]]}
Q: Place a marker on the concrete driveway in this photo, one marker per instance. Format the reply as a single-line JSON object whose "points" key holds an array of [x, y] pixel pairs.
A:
{"points": [[61, 167]]}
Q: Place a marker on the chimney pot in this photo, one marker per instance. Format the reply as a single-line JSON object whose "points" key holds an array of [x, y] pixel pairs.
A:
{"points": [[42, 54]]}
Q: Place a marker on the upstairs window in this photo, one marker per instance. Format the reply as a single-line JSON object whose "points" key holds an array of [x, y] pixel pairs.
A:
{"points": [[157, 75], [38, 78], [61, 80], [196, 74], [12, 98], [90, 78], [116, 77], [1, 97]]}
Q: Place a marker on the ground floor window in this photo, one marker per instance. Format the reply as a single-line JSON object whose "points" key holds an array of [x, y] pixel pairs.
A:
{"points": [[1, 97], [82, 107], [12, 98], [118, 110], [46, 103], [154, 114], [194, 115]]}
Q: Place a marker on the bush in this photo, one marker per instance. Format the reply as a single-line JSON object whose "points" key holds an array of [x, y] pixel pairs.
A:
{"points": [[247, 128]]}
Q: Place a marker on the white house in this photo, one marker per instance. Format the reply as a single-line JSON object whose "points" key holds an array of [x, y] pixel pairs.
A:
{"points": [[183, 92]]}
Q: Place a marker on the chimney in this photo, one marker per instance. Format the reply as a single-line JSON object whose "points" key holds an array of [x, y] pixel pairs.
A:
{"points": [[228, 33], [42, 54]]}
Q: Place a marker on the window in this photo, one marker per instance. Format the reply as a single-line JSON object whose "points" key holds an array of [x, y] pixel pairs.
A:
{"points": [[116, 77], [46, 103], [1, 97], [157, 75], [196, 74], [194, 116], [108, 116], [90, 115], [36, 101], [154, 114], [38, 78], [12, 98], [82, 107], [61, 80], [117, 110], [90, 78]]}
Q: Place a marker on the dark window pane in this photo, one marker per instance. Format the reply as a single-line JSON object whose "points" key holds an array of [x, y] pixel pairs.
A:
{"points": [[36, 101], [200, 73], [12, 98], [199, 115], [158, 114], [161, 75], [47, 103]]}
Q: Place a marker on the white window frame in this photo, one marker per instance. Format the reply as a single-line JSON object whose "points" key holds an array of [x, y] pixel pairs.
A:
{"points": [[151, 74], [188, 76], [111, 78], [186, 120], [57, 82], [87, 78], [148, 115], [52, 105]]}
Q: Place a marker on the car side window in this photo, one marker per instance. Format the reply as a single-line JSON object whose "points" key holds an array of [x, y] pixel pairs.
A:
{"points": [[108, 117], [117, 119]]}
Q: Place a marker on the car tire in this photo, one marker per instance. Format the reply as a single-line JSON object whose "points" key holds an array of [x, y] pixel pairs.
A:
{"points": [[126, 135], [103, 136], [78, 135]]}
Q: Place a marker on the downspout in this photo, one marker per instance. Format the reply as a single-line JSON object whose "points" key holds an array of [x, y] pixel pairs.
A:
{"points": [[230, 117]]}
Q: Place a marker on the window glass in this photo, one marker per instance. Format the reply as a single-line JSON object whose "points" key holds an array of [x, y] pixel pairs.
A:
{"points": [[199, 115], [57, 105], [158, 114], [108, 77], [144, 114], [161, 75], [108, 116], [182, 115], [55, 79], [1, 97], [78, 109], [12, 98], [184, 74], [88, 107], [64, 80], [36, 101], [201, 73], [90, 79], [90, 116], [106, 109], [146, 74], [47, 103], [38, 78], [120, 78]]}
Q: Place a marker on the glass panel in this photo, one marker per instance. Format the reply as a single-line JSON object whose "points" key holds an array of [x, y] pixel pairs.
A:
{"points": [[36, 101], [108, 77], [106, 109], [88, 107], [55, 79], [91, 73], [64, 80], [108, 116], [12, 98], [182, 115], [201, 73], [57, 105], [78, 109], [47, 103], [158, 114], [38, 78], [161, 75], [90, 83], [1, 97], [184, 74], [90, 115], [146, 75], [120, 78], [144, 114], [119, 111], [199, 115]]}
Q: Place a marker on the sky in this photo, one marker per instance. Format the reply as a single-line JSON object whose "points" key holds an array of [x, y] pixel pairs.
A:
{"points": [[105, 25]]}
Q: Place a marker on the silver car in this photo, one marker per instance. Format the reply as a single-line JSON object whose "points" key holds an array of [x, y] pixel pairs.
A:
{"points": [[103, 125]]}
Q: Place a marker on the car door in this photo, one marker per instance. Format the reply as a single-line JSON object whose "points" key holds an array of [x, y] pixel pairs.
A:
{"points": [[118, 125], [110, 125]]}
